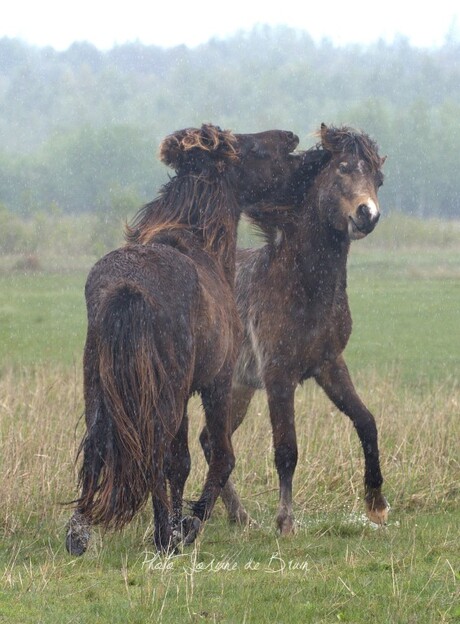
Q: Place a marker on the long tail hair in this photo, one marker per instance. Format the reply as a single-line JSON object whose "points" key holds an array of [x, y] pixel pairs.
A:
{"points": [[124, 448]]}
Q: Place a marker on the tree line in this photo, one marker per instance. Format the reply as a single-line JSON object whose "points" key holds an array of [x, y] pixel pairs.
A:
{"points": [[80, 129]]}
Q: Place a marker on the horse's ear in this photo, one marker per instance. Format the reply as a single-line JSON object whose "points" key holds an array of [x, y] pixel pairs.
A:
{"points": [[382, 160], [323, 133], [196, 147]]}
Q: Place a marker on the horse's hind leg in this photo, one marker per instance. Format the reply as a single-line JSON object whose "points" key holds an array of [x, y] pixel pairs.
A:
{"points": [[79, 527], [281, 405], [216, 403], [335, 380], [178, 470], [78, 534], [163, 537], [241, 397]]}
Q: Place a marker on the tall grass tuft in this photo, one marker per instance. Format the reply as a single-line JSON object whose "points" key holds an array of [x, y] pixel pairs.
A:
{"points": [[39, 412]]}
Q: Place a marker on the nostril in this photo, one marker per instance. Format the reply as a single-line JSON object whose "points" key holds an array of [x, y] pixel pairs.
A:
{"points": [[369, 212]]}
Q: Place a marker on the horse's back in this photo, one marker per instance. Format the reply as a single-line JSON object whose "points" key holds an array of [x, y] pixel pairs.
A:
{"points": [[193, 301], [166, 276]]}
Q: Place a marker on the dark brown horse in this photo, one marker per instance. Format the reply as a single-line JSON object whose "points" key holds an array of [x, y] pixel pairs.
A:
{"points": [[292, 299], [162, 324]]}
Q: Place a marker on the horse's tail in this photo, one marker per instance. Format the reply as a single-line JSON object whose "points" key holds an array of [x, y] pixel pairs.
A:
{"points": [[124, 448]]}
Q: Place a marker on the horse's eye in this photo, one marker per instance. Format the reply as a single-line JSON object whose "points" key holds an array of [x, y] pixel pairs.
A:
{"points": [[343, 167]]}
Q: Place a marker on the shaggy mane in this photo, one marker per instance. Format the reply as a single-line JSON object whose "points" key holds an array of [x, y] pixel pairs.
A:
{"points": [[199, 198], [185, 149], [206, 207], [348, 140]]}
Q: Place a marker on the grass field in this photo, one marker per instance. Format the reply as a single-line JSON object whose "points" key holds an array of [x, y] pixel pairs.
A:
{"points": [[405, 358], [405, 308]]}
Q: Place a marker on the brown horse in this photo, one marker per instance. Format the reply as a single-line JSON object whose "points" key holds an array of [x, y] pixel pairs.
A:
{"points": [[162, 324], [292, 299]]}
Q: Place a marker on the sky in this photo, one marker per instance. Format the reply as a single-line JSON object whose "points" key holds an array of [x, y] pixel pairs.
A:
{"points": [[167, 23]]}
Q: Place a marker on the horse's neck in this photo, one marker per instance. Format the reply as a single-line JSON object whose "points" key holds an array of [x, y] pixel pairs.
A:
{"points": [[317, 255]]}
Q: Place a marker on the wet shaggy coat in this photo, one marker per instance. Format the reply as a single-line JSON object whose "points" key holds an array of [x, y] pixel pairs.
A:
{"points": [[162, 324], [292, 299]]}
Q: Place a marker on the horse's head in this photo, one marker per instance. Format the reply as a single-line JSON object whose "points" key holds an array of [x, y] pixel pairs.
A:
{"points": [[267, 166], [348, 183], [261, 164]]}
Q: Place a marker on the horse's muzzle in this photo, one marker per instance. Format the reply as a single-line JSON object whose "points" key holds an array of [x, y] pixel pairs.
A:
{"points": [[363, 221]]}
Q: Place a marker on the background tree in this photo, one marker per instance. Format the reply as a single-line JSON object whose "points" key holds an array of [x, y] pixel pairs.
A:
{"points": [[77, 126]]}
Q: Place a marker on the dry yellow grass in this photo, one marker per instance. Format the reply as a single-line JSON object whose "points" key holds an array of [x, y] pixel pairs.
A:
{"points": [[419, 432], [348, 572]]}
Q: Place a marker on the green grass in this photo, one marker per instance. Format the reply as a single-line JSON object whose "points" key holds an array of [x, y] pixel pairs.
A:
{"points": [[405, 309], [328, 572], [404, 355], [42, 318]]}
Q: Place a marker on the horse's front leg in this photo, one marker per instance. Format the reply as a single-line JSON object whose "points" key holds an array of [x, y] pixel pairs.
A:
{"points": [[281, 407], [335, 380], [241, 397], [216, 403]]}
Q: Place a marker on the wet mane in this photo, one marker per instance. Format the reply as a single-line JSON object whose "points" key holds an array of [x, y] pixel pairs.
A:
{"points": [[206, 207], [199, 198], [267, 220], [345, 140]]}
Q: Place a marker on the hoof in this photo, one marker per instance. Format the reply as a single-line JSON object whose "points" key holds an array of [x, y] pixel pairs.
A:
{"points": [[78, 534], [241, 517], [169, 549], [286, 524], [193, 530], [377, 508], [188, 530]]}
